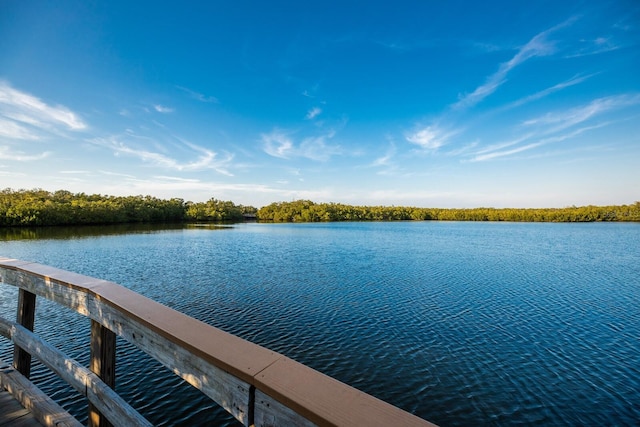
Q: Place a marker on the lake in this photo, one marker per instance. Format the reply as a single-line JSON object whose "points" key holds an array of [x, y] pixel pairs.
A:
{"points": [[460, 323]]}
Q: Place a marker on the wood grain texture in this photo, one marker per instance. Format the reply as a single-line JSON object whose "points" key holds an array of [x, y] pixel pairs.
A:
{"points": [[326, 401], [103, 364], [12, 414], [87, 383], [253, 383], [41, 406], [25, 316]]}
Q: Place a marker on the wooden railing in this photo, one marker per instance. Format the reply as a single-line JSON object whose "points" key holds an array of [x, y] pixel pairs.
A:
{"points": [[256, 385]]}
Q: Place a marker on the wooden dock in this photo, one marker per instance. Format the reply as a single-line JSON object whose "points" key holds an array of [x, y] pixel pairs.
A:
{"points": [[24, 404], [259, 387], [12, 414]]}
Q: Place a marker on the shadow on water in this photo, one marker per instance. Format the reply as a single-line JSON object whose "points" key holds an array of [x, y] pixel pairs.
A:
{"points": [[84, 231]]}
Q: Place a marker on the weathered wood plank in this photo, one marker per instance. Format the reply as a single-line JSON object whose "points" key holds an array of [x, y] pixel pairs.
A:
{"points": [[12, 414], [25, 316], [179, 342], [227, 390], [326, 401], [43, 408], [268, 412], [108, 402], [224, 388], [253, 383], [103, 364]]}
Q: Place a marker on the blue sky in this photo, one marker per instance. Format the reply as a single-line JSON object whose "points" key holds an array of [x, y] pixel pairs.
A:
{"points": [[421, 103]]}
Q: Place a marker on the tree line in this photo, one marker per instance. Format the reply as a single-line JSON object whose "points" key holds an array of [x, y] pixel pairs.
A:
{"points": [[42, 208], [39, 208], [308, 211]]}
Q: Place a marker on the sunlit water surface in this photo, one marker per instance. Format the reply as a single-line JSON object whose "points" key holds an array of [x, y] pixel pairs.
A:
{"points": [[459, 323]]}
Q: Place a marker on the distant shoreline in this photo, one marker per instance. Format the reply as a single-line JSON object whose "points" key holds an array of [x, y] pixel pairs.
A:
{"points": [[307, 211], [35, 208]]}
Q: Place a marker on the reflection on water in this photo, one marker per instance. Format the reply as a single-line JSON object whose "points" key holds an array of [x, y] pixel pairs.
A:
{"points": [[459, 323], [83, 231]]}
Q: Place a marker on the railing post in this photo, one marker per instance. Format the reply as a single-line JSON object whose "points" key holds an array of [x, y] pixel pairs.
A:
{"points": [[25, 317], [103, 364]]}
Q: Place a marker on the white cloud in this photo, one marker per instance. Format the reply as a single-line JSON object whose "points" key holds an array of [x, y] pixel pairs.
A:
{"points": [[25, 116], [496, 154], [430, 137], [279, 144], [198, 96], [502, 145], [122, 175], [548, 91], [176, 179], [537, 46], [313, 113], [560, 120], [17, 156], [386, 164], [316, 148], [558, 126], [163, 109], [386, 159], [497, 150], [12, 174], [594, 47], [13, 130], [207, 159]]}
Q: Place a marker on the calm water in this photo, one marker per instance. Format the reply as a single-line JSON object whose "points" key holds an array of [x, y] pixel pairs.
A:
{"points": [[459, 323]]}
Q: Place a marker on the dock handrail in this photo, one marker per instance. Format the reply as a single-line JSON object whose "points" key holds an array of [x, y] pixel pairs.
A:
{"points": [[256, 385]]}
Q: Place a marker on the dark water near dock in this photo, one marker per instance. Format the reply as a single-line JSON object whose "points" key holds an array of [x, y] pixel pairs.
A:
{"points": [[459, 323]]}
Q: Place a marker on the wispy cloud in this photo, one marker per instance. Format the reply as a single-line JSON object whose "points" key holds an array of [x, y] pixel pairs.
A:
{"points": [[198, 96], [385, 160], [503, 145], [317, 148], [163, 109], [280, 144], [539, 142], [6, 153], [558, 126], [313, 113], [536, 47], [594, 47], [121, 175], [177, 179], [12, 130], [311, 92], [206, 159], [430, 138], [504, 153], [560, 120], [12, 174], [26, 117], [548, 91], [277, 144], [386, 164]]}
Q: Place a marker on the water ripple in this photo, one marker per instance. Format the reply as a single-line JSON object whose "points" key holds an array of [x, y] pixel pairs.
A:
{"points": [[459, 323]]}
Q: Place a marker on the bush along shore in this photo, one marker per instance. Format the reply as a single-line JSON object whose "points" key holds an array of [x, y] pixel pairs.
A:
{"points": [[43, 208], [307, 211]]}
